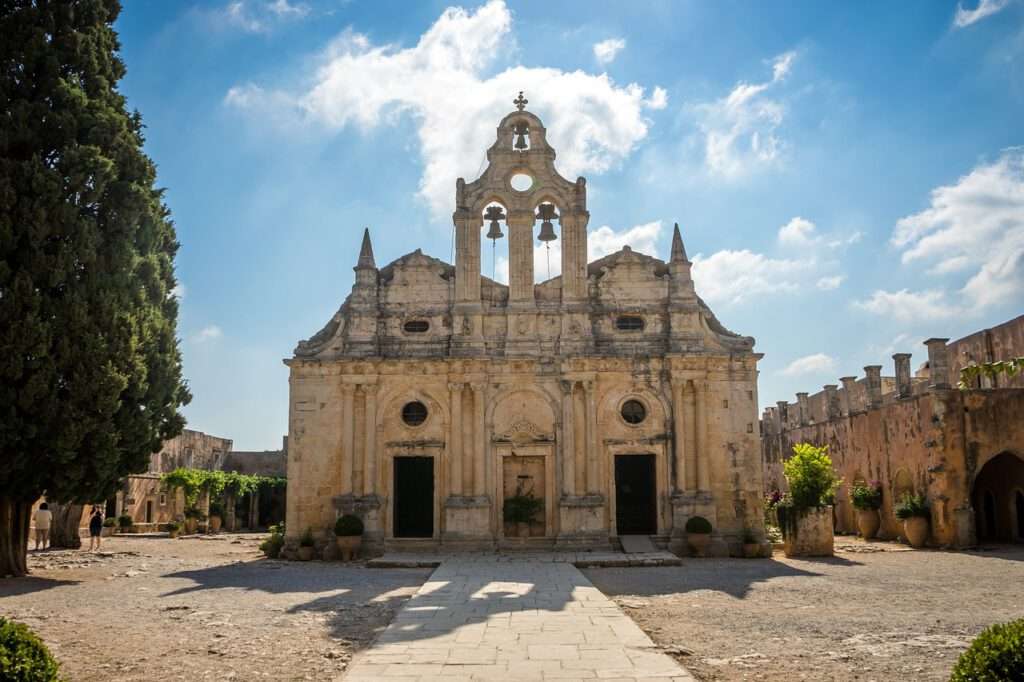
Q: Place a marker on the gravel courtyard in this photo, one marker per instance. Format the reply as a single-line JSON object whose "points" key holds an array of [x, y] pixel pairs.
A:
{"points": [[201, 609], [873, 612]]}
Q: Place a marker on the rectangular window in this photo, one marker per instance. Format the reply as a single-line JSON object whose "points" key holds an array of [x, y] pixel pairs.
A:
{"points": [[163, 499]]}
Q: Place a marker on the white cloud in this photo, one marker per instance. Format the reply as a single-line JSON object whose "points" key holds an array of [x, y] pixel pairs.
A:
{"points": [[658, 98], [975, 225], [798, 232], [734, 276], [985, 8], [739, 131], [210, 333], [284, 8], [905, 305], [253, 16], [606, 50], [819, 363], [442, 83], [830, 283]]}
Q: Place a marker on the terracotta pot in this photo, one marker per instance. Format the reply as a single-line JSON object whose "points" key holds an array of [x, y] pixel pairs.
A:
{"points": [[523, 529], [751, 550], [698, 542], [215, 522], [173, 533], [916, 530], [868, 522], [349, 546], [190, 526], [305, 553]]}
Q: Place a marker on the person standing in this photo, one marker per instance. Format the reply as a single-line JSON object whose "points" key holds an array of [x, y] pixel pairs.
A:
{"points": [[95, 529], [43, 517]]}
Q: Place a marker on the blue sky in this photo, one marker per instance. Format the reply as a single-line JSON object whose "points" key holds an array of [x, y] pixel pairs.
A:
{"points": [[848, 178]]}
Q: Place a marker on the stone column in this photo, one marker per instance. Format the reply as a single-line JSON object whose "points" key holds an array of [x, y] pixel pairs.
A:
{"points": [[783, 408], [574, 254], [679, 434], [803, 409], [347, 436], [581, 442], [467, 256], [903, 382], [370, 447], [593, 454], [703, 464], [832, 409], [568, 438], [849, 401], [479, 450], [938, 363], [455, 474], [520, 256], [690, 434], [873, 384]]}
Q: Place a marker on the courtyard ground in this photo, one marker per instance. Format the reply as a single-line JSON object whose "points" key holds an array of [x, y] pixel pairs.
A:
{"points": [[875, 611], [152, 608]]}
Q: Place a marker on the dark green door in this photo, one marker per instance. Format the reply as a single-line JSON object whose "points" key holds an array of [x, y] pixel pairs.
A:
{"points": [[636, 508], [414, 497]]}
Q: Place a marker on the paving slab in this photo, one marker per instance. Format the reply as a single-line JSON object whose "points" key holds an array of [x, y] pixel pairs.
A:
{"points": [[583, 559], [496, 617], [637, 544]]}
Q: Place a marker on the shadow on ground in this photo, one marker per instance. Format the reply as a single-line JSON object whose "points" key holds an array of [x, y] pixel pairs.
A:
{"points": [[14, 587]]}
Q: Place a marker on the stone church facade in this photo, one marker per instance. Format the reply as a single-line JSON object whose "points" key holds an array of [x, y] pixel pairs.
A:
{"points": [[610, 392]]}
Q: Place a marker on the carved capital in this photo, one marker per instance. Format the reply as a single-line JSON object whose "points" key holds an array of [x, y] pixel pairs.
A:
{"points": [[456, 386]]}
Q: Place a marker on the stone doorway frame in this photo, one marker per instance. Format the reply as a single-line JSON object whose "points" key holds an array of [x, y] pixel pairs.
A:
{"points": [[389, 471], [663, 507], [530, 449]]}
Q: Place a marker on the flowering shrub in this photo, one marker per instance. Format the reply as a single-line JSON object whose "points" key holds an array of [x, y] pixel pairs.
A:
{"points": [[866, 496], [911, 506], [812, 480]]}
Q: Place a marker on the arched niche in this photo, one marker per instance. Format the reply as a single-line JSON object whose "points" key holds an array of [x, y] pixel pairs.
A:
{"points": [[522, 413], [994, 496]]}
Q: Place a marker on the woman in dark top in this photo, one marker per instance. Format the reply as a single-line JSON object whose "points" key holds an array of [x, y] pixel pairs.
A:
{"points": [[95, 529]]}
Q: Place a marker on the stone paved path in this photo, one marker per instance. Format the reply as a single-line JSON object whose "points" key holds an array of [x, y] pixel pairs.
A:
{"points": [[481, 618]]}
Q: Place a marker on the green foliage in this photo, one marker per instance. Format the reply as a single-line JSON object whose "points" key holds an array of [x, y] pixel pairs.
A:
{"points": [[110, 522], [90, 369], [217, 483], [194, 513], [125, 521], [812, 481], [217, 509], [992, 370], [306, 540], [23, 656], [995, 655], [348, 525], [866, 496], [272, 545], [911, 506], [698, 524], [522, 508]]}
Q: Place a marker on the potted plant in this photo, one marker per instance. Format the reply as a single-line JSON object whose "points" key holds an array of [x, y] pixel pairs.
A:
{"points": [[272, 545], [216, 516], [522, 509], [173, 529], [805, 514], [867, 500], [124, 523], [109, 524], [698, 534], [348, 532], [192, 518], [913, 511], [751, 547], [306, 545]]}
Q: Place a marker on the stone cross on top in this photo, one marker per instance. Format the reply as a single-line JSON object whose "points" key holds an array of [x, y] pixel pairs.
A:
{"points": [[520, 101]]}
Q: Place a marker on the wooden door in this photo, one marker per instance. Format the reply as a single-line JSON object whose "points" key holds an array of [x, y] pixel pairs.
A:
{"points": [[526, 475]]}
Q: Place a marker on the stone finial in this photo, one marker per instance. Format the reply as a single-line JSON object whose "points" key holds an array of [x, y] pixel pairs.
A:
{"points": [[903, 385], [938, 362], [849, 385], [366, 260], [520, 101], [873, 384], [832, 409], [783, 414], [802, 408], [678, 250]]}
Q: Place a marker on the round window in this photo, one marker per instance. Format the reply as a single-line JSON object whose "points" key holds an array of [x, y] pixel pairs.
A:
{"points": [[521, 182], [414, 413], [416, 326], [633, 412]]}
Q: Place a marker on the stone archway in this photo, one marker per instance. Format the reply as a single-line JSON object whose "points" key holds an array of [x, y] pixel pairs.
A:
{"points": [[998, 499]]}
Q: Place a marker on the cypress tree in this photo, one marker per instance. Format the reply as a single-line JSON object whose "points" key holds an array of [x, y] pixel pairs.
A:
{"points": [[90, 369]]}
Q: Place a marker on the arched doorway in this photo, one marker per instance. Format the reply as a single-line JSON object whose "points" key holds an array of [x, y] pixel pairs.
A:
{"points": [[998, 500]]}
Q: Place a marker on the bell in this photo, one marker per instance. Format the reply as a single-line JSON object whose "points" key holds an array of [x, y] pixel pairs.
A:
{"points": [[521, 130], [495, 231], [547, 232]]}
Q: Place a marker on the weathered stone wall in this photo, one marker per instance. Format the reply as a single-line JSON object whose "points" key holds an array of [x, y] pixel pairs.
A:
{"points": [[1002, 342], [191, 449]]}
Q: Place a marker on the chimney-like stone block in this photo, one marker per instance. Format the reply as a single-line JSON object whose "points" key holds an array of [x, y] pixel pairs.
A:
{"points": [[803, 408], [783, 415], [938, 362], [873, 383], [832, 407], [903, 385], [849, 400]]}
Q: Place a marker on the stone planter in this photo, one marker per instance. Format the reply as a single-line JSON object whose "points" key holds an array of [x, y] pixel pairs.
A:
{"points": [[751, 550], [215, 523], [916, 530], [868, 523], [349, 546], [107, 531], [698, 542], [173, 533], [305, 553], [806, 532]]}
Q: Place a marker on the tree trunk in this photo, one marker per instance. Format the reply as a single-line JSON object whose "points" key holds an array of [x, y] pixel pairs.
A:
{"points": [[64, 525], [14, 520]]}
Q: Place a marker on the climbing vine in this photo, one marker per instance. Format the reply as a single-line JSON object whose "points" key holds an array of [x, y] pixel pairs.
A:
{"points": [[970, 373], [216, 483]]}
